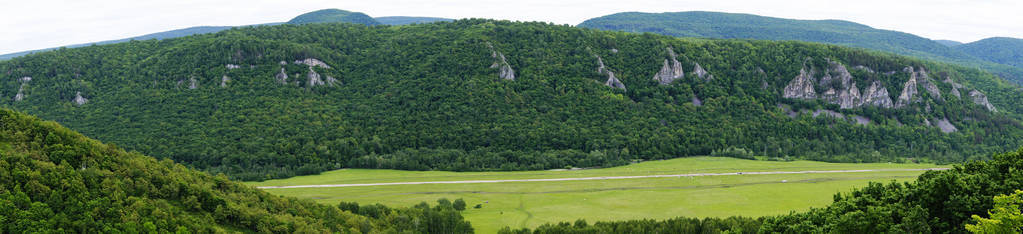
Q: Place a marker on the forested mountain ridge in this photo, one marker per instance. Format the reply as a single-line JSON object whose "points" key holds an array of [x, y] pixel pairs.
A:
{"points": [[53, 179], [320, 16], [838, 32], [1002, 50], [270, 102]]}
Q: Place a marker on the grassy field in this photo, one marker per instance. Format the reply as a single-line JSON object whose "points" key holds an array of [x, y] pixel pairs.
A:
{"points": [[529, 204]]}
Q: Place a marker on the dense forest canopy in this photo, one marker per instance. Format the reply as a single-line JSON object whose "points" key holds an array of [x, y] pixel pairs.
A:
{"points": [[468, 95]]}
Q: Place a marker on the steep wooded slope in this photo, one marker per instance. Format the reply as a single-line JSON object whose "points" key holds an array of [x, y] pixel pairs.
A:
{"points": [[268, 102]]}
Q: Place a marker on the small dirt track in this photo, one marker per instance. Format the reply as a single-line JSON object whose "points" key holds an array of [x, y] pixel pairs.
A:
{"points": [[594, 178]]}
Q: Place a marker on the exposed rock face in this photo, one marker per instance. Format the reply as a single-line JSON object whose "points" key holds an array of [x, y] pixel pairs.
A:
{"points": [[909, 90], [981, 99], [955, 86], [828, 113], [702, 74], [193, 83], [232, 66], [21, 93], [849, 98], [331, 81], [506, 71], [282, 77], [841, 88], [313, 63], [671, 71], [801, 87], [79, 100], [696, 101], [861, 120], [224, 80], [929, 84], [611, 80], [21, 89], [314, 78], [837, 76], [864, 68], [946, 126], [601, 68], [876, 95]]}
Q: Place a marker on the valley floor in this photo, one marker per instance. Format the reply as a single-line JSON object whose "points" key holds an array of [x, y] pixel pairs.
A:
{"points": [[693, 187]]}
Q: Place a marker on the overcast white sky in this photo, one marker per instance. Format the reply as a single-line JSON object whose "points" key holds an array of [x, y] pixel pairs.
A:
{"points": [[37, 24]]}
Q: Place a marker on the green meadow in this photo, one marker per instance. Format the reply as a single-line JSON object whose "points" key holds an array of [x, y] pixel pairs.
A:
{"points": [[529, 204]]}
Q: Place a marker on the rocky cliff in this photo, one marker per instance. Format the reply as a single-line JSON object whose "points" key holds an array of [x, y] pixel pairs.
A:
{"points": [[314, 78], [801, 87], [21, 89], [224, 80], [671, 71], [282, 77], [841, 89], [702, 74], [79, 100], [877, 95], [612, 81], [917, 78], [981, 99], [313, 63], [500, 62], [946, 126]]}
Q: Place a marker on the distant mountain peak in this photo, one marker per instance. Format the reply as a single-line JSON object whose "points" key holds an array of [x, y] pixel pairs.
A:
{"points": [[334, 16]]}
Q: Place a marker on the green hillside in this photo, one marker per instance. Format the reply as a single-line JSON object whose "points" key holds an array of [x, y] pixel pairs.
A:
{"points": [[333, 16], [1002, 50], [55, 180], [477, 95], [746, 26]]}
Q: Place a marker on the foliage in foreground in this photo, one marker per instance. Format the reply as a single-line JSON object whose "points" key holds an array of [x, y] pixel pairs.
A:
{"points": [[675, 225], [53, 179], [1006, 216]]}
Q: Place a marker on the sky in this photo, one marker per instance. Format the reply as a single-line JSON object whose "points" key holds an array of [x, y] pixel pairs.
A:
{"points": [[38, 24]]}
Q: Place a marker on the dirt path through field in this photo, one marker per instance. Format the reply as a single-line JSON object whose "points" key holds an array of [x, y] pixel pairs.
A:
{"points": [[594, 178]]}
